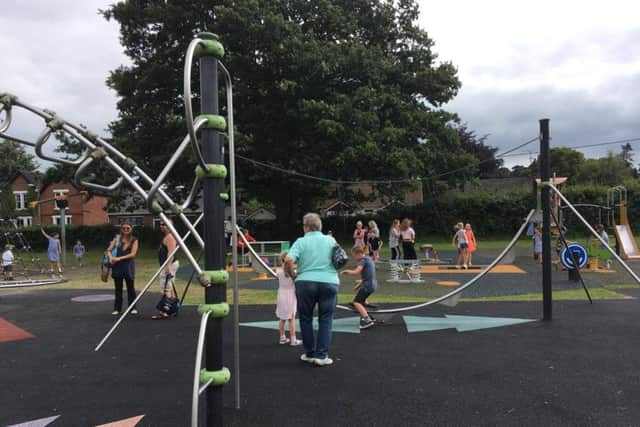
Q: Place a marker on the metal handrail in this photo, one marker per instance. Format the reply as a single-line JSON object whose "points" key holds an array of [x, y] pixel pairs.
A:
{"points": [[195, 396]]}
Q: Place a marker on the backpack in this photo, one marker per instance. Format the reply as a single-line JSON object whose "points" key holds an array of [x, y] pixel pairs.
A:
{"points": [[339, 257]]}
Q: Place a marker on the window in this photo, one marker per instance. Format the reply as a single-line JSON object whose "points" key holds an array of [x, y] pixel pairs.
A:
{"points": [[23, 221], [55, 219], [60, 192], [21, 200]]}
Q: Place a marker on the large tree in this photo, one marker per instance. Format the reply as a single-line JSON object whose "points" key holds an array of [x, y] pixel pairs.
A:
{"points": [[341, 89], [13, 160]]}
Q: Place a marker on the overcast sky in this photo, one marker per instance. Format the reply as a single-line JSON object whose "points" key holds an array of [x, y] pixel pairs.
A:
{"points": [[575, 62]]}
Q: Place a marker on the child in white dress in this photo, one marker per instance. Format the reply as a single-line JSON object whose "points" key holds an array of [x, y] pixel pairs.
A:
{"points": [[286, 306]]}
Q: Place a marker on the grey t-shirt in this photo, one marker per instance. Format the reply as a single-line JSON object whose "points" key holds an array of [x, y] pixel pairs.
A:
{"points": [[368, 274]]}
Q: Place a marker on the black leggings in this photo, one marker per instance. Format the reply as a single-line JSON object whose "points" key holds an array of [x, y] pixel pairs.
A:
{"points": [[131, 291], [409, 251], [395, 253]]}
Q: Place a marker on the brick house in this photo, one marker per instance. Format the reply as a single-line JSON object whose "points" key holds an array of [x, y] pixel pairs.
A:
{"points": [[373, 203], [81, 211]]}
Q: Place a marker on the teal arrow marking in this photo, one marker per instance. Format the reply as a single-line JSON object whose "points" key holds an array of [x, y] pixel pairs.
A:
{"points": [[349, 325], [460, 323]]}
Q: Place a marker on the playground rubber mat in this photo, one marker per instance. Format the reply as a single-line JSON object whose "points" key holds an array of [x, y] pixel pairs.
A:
{"points": [[578, 369], [475, 269]]}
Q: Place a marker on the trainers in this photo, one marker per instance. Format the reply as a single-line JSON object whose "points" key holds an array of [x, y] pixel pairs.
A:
{"points": [[284, 340], [296, 342], [324, 362], [134, 311], [464, 266], [307, 359], [366, 322], [115, 313]]}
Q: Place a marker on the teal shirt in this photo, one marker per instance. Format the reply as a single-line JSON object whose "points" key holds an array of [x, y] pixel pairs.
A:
{"points": [[313, 255]]}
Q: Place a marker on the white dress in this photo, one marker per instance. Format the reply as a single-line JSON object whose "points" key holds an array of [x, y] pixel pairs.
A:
{"points": [[287, 302]]}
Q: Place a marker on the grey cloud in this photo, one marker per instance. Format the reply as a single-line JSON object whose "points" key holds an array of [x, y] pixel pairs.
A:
{"points": [[577, 117]]}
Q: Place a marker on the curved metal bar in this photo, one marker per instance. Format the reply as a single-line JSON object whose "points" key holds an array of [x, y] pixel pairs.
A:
{"points": [[234, 232], [198, 365], [7, 118], [595, 233], [42, 139], [253, 252], [171, 163], [80, 172], [188, 108], [195, 189], [144, 289]]}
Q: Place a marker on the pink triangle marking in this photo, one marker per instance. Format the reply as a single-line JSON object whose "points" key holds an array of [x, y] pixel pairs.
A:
{"points": [[129, 422]]}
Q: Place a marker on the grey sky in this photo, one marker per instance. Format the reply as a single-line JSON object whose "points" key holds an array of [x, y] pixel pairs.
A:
{"points": [[576, 63]]}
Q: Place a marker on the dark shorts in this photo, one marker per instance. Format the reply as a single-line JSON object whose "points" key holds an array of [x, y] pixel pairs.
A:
{"points": [[463, 246], [362, 296], [6, 268]]}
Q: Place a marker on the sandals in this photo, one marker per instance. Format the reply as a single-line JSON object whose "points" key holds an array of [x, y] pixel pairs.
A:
{"points": [[160, 316]]}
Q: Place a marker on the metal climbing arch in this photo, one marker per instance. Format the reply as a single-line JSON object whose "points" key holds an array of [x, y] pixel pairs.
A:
{"points": [[210, 174]]}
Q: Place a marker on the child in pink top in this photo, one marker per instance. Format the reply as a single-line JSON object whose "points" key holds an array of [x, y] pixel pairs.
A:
{"points": [[286, 306], [359, 235]]}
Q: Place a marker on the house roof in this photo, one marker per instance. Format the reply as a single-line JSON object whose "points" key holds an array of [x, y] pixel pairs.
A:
{"points": [[374, 200]]}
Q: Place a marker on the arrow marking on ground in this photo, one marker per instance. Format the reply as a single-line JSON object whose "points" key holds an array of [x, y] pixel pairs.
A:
{"points": [[42, 422], [349, 325], [460, 323]]}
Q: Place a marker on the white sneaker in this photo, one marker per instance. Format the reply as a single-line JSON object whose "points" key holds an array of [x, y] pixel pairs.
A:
{"points": [[296, 342], [464, 266], [324, 362], [284, 340], [307, 359], [115, 313], [134, 311]]}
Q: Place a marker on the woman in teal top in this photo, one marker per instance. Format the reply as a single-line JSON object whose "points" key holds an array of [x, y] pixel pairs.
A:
{"points": [[316, 283]]}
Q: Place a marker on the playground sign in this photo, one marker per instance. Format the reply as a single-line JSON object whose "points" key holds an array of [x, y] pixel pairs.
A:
{"points": [[578, 251]]}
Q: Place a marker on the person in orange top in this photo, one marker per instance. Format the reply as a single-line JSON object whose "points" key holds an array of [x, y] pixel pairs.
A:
{"points": [[471, 241]]}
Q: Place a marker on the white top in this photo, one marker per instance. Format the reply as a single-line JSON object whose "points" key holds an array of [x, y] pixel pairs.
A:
{"points": [[7, 258], [394, 234], [461, 236]]}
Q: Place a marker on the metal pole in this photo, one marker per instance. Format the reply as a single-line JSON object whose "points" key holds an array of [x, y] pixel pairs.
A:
{"points": [[213, 230], [63, 234], [545, 172]]}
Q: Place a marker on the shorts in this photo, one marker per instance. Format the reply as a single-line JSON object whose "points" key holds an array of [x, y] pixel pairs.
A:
{"points": [[168, 284], [463, 245], [362, 296], [6, 268]]}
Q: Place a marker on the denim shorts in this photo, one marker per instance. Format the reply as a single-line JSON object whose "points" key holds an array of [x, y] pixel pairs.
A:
{"points": [[362, 296], [463, 246]]}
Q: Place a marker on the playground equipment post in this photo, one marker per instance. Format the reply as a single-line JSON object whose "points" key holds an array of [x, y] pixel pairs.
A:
{"points": [[545, 172], [213, 233]]}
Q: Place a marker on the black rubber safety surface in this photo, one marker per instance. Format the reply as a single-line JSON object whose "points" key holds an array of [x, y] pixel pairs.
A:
{"points": [[582, 368]]}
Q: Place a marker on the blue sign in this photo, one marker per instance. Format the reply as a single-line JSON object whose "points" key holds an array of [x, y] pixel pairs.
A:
{"points": [[580, 254]]}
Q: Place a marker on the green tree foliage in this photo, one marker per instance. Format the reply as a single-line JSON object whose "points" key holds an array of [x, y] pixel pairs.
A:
{"points": [[346, 89], [14, 160], [488, 165], [609, 171]]}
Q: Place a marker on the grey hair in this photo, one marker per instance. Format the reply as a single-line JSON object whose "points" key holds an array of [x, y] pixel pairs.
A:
{"points": [[313, 221]]}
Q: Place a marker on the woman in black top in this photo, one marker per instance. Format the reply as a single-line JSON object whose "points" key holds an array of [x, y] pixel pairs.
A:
{"points": [[123, 266]]}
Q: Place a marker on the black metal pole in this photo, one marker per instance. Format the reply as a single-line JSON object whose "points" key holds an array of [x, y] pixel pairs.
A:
{"points": [[545, 172], [213, 209]]}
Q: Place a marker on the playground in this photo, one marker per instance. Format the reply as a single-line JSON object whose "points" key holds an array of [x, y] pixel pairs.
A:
{"points": [[458, 346]]}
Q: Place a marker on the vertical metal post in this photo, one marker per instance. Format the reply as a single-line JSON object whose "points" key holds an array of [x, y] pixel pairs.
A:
{"points": [[545, 172], [213, 210], [63, 233]]}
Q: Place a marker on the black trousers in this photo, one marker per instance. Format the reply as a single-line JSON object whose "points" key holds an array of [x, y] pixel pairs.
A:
{"points": [[395, 253], [409, 251], [131, 291]]}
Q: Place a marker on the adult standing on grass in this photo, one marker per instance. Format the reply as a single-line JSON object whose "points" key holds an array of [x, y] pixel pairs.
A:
{"points": [[168, 273], [123, 266], [317, 283], [53, 251], [394, 239], [408, 235]]}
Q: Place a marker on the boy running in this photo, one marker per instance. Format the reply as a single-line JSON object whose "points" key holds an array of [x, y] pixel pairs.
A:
{"points": [[365, 287]]}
